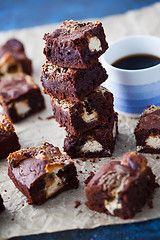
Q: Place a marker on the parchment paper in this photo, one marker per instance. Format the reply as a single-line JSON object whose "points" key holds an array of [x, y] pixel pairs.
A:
{"points": [[58, 213]]}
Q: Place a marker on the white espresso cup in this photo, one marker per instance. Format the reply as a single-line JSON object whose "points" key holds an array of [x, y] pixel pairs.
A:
{"points": [[133, 90]]}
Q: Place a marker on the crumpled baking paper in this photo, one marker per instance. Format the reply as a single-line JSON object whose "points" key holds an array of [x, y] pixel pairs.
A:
{"points": [[59, 213]]}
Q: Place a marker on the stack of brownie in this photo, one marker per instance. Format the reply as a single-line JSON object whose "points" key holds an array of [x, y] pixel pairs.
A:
{"points": [[72, 76]]}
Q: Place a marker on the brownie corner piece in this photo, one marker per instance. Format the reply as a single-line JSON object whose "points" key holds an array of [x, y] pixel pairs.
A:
{"points": [[75, 44], [97, 142], [9, 141], [13, 58], [147, 131], [2, 207], [121, 188], [48, 172], [20, 96]]}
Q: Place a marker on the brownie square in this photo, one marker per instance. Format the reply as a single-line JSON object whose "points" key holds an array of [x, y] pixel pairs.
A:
{"points": [[42, 172], [1, 204], [75, 44], [70, 83], [8, 138], [85, 114], [13, 58], [121, 188], [20, 96], [147, 131], [97, 142]]}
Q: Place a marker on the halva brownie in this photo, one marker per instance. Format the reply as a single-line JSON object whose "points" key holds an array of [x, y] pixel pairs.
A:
{"points": [[85, 114], [13, 58], [75, 44], [8, 138], [1, 204], [42, 172], [70, 83], [97, 142], [147, 131], [121, 188], [20, 96]]}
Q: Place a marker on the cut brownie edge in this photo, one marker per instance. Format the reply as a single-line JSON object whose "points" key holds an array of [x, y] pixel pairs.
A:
{"points": [[71, 84], [20, 97], [97, 142], [86, 114], [147, 131], [51, 172]]}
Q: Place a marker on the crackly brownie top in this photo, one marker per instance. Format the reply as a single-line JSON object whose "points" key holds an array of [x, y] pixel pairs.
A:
{"points": [[150, 118], [12, 45], [6, 126], [116, 173], [71, 29], [46, 152], [15, 85]]}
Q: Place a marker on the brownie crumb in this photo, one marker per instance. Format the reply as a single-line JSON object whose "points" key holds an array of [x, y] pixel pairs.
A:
{"points": [[77, 204], [83, 159], [150, 203], [80, 171], [89, 178], [50, 117], [77, 161], [40, 118], [157, 157]]}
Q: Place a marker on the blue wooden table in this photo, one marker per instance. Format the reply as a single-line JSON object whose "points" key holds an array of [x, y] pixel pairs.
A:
{"points": [[21, 14]]}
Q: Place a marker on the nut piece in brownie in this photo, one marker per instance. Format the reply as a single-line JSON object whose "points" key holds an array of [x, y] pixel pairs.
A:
{"points": [[147, 131], [71, 84], [20, 96], [86, 114], [121, 188], [1, 204], [97, 142], [42, 172], [8, 138], [75, 44], [13, 58]]}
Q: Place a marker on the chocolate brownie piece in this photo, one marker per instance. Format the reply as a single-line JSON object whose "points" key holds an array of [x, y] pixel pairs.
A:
{"points": [[85, 114], [75, 44], [121, 188], [147, 131], [1, 204], [71, 84], [20, 96], [8, 138], [13, 58], [42, 172], [97, 142]]}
